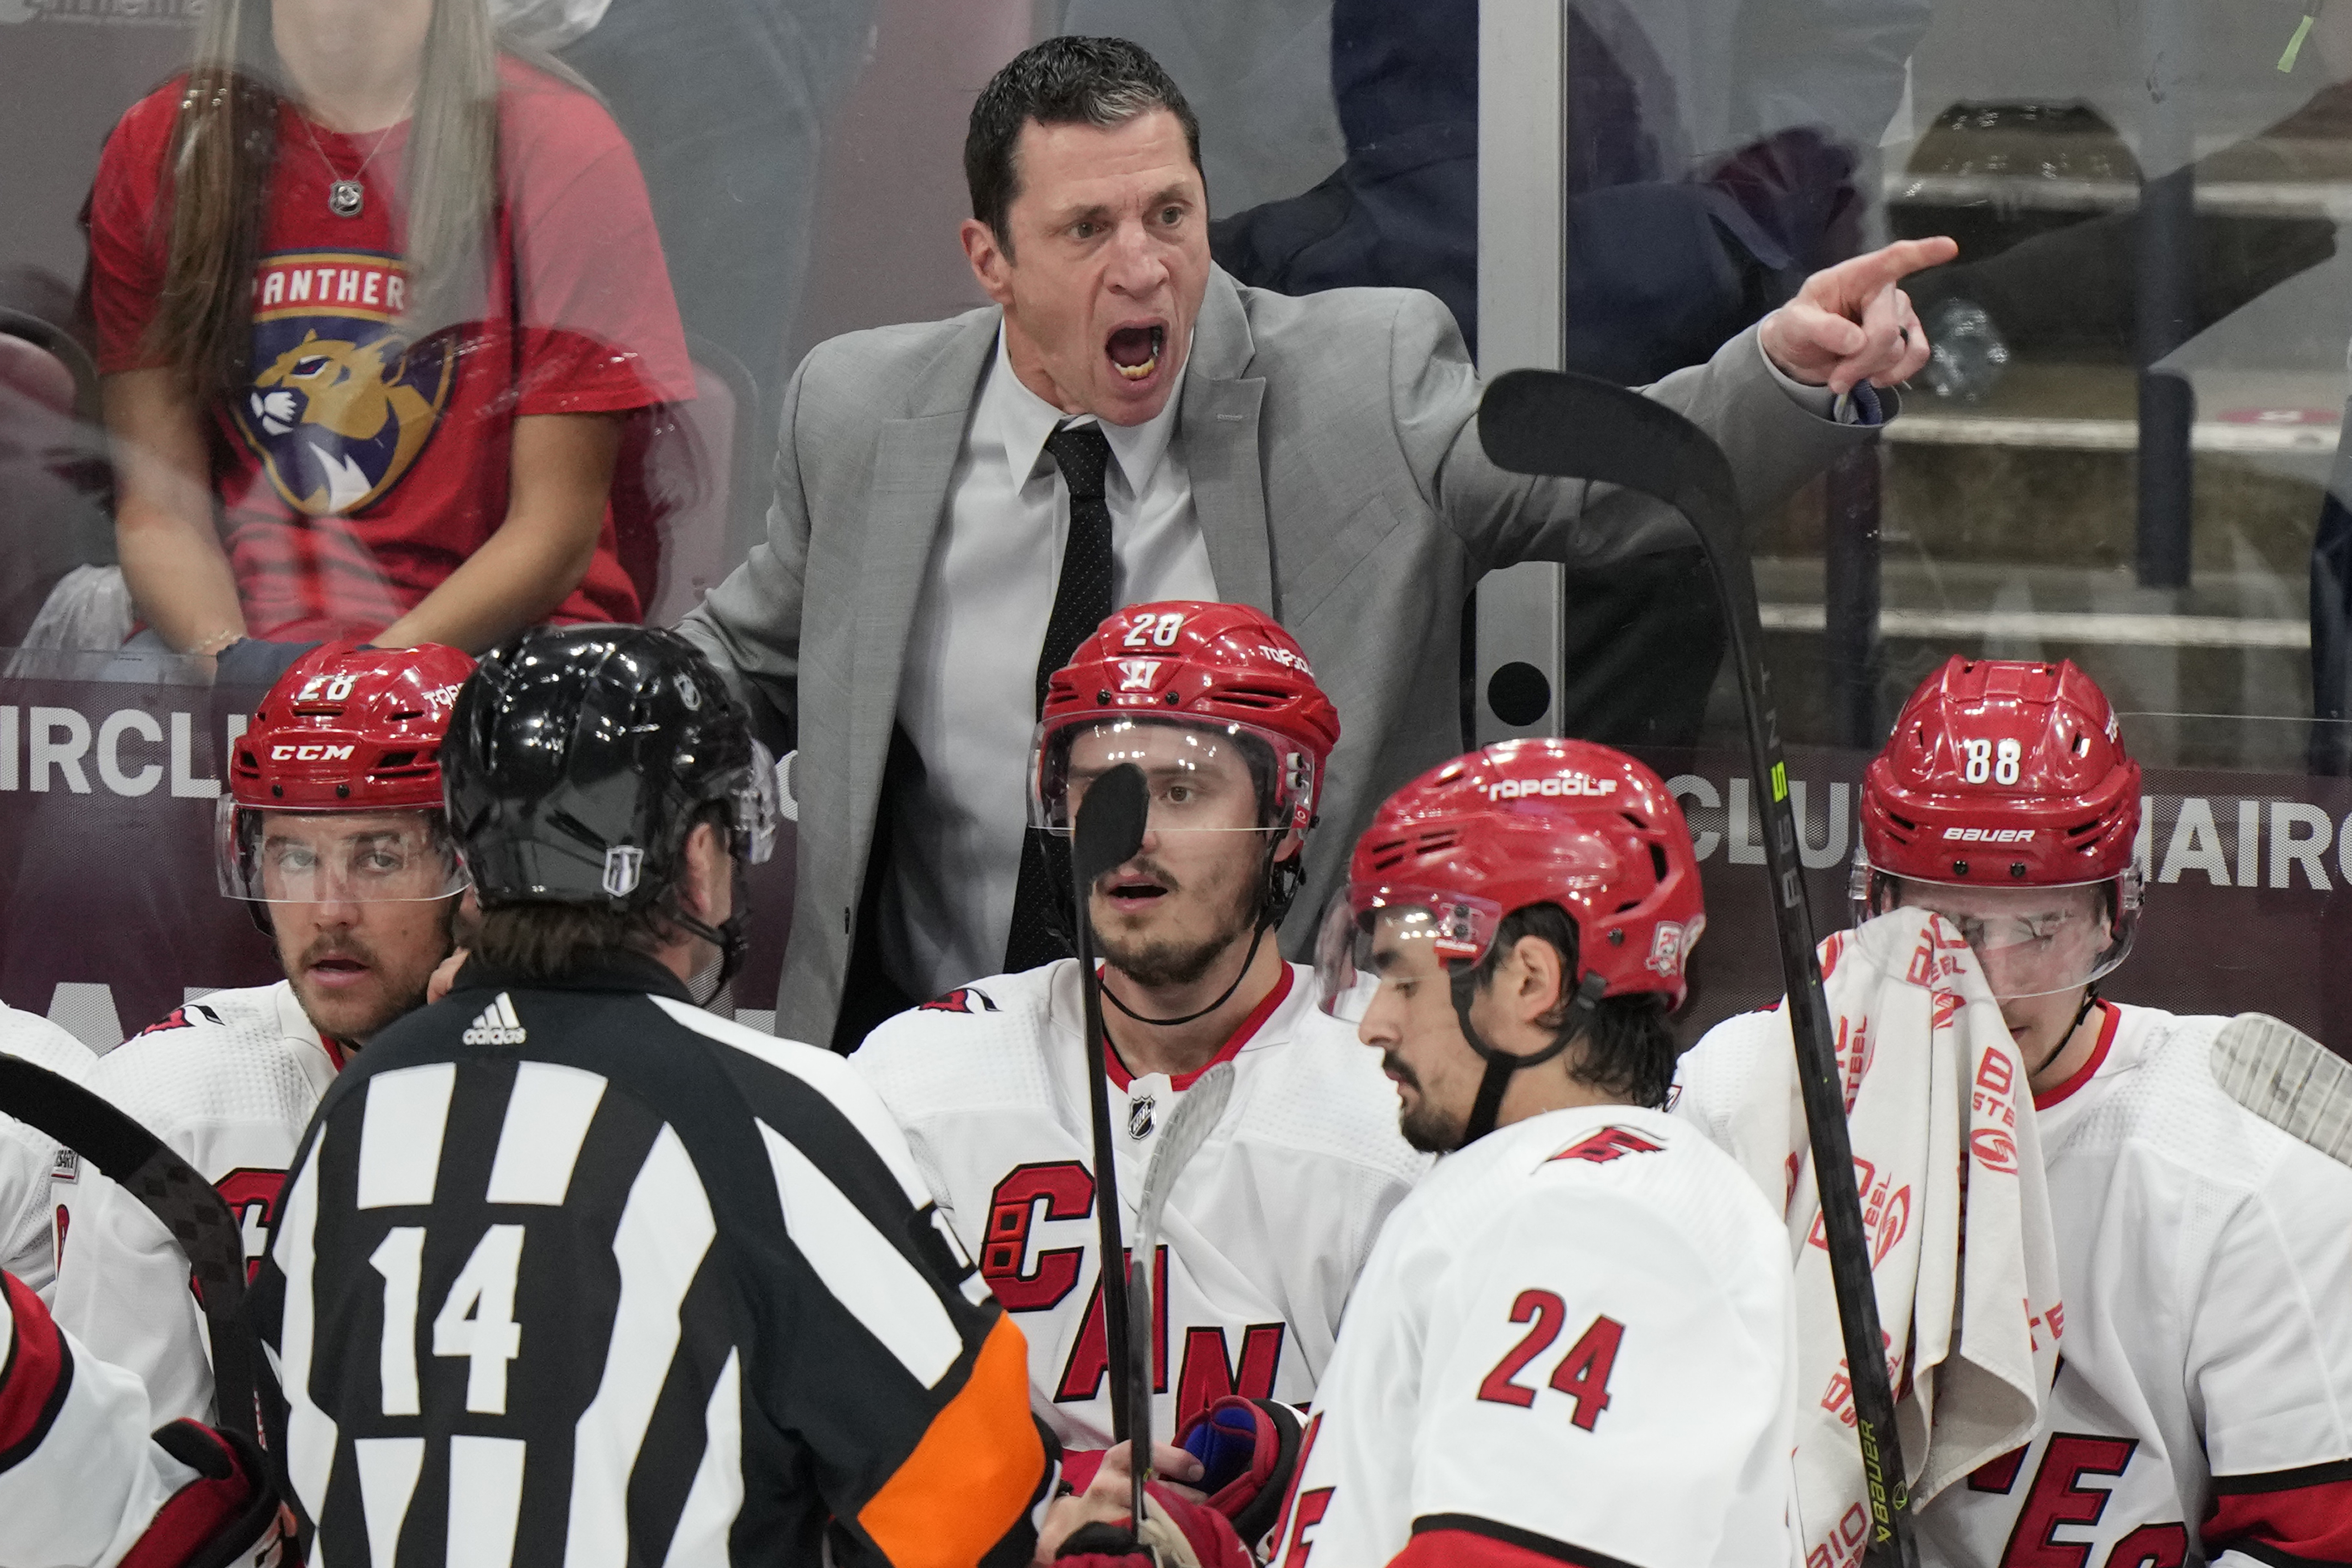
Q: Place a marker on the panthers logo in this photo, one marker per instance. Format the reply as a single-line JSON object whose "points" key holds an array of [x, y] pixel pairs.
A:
{"points": [[341, 403]]}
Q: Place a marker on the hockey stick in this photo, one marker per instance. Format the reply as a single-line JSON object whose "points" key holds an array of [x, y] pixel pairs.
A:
{"points": [[2288, 1078], [1195, 1117], [1108, 831], [201, 1225], [1574, 427]]}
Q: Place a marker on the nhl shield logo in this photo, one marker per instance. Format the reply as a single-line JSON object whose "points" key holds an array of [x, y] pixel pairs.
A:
{"points": [[623, 865], [1139, 1116], [341, 402]]}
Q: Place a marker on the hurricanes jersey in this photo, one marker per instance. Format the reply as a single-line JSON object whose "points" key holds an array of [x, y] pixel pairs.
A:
{"points": [[2203, 1410], [30, 1160], [1266, 1228], [228, 1082], [1573, 1343]]}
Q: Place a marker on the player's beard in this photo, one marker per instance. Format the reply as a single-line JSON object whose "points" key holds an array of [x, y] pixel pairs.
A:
{"points": [[1157, 963], [1425, 1124], [398, 991]]}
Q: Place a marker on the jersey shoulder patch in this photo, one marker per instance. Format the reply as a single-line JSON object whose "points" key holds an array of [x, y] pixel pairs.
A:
{"points": [[963, 999], [1612, 1142], [187, 1017]]}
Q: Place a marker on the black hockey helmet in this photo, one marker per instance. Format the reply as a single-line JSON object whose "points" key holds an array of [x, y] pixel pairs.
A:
{"points": [[580, 757]]}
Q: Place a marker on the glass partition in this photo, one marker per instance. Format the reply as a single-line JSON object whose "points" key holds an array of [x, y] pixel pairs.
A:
{"points": [[679, 203]]}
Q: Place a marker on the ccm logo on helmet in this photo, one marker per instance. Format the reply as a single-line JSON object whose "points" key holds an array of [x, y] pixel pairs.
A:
{"points": [[1990, 835], [1563, 784], [309, 753]]}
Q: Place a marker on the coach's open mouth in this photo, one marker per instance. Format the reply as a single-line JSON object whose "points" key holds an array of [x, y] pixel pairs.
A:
{"points": [[1135, 350]]}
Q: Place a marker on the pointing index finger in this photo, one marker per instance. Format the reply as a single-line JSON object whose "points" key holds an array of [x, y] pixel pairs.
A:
{"points": [[1891, 264]]}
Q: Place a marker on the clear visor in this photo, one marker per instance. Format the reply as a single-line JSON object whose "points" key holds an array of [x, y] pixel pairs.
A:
{"points": [[1225, 778], [759, 808], [333, 857], [2030, 941], [1392, 937]]}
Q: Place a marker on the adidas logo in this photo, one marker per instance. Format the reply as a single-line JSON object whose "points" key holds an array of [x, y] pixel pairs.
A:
{"points": [[496, 1026]]}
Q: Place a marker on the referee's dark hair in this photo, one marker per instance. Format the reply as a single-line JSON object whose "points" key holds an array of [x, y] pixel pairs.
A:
{"points": [[1629, 1046], [1067, 80]]}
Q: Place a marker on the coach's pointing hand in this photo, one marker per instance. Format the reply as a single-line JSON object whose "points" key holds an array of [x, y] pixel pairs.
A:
{"points": [[1850, 323]]}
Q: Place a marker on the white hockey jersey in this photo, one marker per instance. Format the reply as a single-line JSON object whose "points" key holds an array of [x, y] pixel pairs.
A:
{"points": [[228, 1084], [1574, 1342], [2203, 1410], [81, 1479], [1265, 1230], [30, 1160]]}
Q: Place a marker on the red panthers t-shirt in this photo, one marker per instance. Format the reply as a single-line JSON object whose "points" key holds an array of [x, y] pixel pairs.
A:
{"points": [[369, 455]]}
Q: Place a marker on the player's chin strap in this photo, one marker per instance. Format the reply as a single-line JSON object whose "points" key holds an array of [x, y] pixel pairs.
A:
{"points": [[2090, 1001], [1273, 902], [1223, 996], [1501, 1064]]}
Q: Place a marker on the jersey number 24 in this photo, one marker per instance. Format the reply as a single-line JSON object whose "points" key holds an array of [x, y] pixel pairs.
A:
{"points": [[1583, 1374]]}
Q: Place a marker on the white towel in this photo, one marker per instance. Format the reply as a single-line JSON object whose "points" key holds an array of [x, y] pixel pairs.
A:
{"points": [[1931, 1076]]}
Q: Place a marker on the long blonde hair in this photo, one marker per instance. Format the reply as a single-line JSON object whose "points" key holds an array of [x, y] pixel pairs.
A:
{"points": [[223, 149]]}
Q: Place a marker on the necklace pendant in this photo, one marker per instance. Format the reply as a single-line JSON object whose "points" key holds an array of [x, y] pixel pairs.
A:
{"points": [[346, 198]]}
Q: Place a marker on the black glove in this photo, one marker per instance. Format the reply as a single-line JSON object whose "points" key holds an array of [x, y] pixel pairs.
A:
{"points": [[250, 661]]}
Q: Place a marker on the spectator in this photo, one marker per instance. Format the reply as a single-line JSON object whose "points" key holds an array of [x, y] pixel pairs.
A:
{"points": [[385, 316], [1312, 457]]}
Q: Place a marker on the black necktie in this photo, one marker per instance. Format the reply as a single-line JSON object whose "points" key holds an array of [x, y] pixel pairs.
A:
{"points": [[1081, 600]]}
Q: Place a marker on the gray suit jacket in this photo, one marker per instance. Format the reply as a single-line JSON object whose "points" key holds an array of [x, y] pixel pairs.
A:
{"points": [[1338, 481]]}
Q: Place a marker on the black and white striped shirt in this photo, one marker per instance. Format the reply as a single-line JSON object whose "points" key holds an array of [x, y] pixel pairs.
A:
{"points": [[578, 1273]]}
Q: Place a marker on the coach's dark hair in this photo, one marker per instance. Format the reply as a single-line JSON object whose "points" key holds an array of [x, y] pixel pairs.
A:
{"points": [[546, 940], [1069, 80], [1629, 1046]]}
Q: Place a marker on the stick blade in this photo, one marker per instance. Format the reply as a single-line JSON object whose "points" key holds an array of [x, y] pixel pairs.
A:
{"points": [[2288, 1078], [1560, 425], [1110, 824]]}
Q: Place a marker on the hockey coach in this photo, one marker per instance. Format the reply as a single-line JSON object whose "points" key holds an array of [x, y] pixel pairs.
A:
{"points": [[958, 503], [570, 1269]]}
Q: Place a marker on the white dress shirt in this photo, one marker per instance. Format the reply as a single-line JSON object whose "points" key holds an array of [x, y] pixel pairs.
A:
{"points": [[968, 699], [968, 696]]}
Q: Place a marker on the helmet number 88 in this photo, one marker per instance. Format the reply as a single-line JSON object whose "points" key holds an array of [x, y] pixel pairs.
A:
{"points": [[1159, 630], [1986, 761]]}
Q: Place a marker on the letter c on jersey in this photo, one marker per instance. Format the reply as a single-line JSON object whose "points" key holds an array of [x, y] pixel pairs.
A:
{"points": [[1069, 1193]]}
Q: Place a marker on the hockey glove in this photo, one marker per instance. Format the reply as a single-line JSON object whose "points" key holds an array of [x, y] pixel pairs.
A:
{"points": [[228, 1514], [1175, 1534], [1247, 1449]]}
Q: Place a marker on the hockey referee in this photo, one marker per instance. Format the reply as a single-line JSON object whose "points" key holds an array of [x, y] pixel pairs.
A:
{"points": [[571, 1271]]}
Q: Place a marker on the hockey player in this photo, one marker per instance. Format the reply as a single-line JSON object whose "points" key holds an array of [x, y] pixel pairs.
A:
{"points": [[570, 1269], [29, 1159], [332, 832], [1571, 1341], [84, 1481], [1271, 1221], [2202, 1408]]}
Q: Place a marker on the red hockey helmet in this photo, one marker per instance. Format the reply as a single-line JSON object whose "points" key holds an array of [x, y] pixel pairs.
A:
{"points": [[349, 731], [2011, 774], [1219, 671], [1524, 822]]}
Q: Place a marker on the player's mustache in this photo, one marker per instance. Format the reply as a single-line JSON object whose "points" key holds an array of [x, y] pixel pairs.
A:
{"points": [[1394, 1066]]}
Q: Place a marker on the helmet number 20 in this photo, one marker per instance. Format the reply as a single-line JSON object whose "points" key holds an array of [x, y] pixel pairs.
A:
{"points": [[1985, 761], [1153, 631]]}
